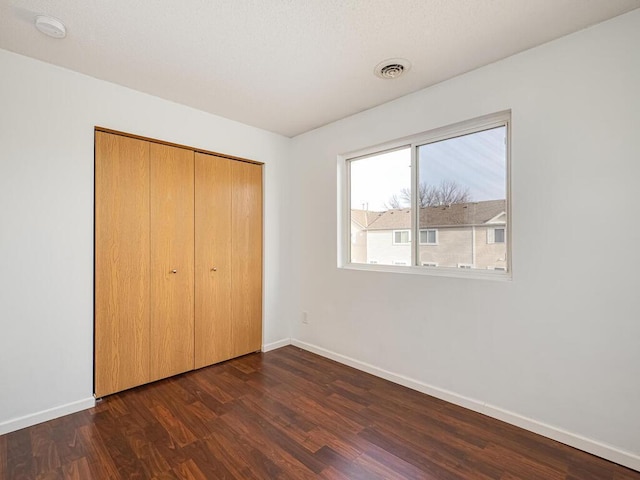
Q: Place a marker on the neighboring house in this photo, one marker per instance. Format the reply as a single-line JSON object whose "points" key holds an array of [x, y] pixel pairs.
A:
{"points": [[465, 235], [360, 220], [359, 236]]}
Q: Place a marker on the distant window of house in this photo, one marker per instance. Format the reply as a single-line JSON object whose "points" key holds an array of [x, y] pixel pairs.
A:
{"points": [[429, 237], [401, 237], [496, 235], [446, 187]]}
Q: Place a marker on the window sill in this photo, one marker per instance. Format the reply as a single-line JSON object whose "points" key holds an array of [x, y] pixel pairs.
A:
{"points": [[475, 274]]}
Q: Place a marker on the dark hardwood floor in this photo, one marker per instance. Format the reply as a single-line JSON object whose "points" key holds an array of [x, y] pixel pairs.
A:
{"points": [[287, 414]]}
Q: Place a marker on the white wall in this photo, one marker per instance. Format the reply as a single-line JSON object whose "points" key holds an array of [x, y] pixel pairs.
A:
{"points": [[47, 117], [562, 353]]}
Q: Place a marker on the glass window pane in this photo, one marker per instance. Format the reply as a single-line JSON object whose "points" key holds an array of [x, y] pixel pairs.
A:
{"points": [[380, 216], [462, 194], [499, 235]]}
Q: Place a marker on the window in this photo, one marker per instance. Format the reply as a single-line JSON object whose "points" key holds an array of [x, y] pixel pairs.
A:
{"points": [[496, 235], [401, 237], [428, 237], [447, 187]]}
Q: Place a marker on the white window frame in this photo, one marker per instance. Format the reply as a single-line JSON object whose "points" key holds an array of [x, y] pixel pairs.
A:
{"points": [[393, 236], [429, 230], [444, 133]]}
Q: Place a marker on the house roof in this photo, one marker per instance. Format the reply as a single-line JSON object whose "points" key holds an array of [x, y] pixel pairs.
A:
{"points": [[473, 213], [363, 217]]}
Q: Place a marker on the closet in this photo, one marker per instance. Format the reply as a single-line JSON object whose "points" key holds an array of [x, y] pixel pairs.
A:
{"points": [[228, 252], [178, 260]]}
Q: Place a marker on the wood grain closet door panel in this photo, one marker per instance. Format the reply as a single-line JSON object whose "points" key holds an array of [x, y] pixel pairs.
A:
{"points": [[121, 263], [246, 257], [213, 341], [172, 282]]}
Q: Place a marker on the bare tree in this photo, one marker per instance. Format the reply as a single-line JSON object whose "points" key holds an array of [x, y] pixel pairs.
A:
{"points": [[449, 192], [393, 202]]}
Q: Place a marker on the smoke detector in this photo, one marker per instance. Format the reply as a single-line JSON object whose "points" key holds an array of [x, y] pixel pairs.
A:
{"points": [[50, 26], [392, 68]]}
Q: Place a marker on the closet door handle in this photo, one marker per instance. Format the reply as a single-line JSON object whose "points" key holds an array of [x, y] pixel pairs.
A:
{"points": [[173, 271], [214, 269]]}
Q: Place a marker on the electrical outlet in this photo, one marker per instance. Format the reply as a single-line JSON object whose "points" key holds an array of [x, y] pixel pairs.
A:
{"points": [[305, 318]]}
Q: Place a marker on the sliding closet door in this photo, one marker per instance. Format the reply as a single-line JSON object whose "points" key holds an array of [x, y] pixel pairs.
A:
{"points": [[213, 342], [172, 237], [246, 257], [121, 263]]}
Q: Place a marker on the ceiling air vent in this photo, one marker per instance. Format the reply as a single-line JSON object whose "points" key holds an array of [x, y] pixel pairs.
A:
{"points": [[392, 68]]}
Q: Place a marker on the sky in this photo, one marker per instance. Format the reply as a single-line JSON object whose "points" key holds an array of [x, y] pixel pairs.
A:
{"points": [[476, 161]]}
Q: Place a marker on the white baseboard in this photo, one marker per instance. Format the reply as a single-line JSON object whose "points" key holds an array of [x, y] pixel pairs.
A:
{"points": [[608, 452], [44, 415], [273, 345], [39, 417]]}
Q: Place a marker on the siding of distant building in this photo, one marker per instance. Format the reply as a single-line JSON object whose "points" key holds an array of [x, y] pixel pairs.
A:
{"points": [[358, 244], [380, 249], [455, 247], [490, 255], [465, 236]]}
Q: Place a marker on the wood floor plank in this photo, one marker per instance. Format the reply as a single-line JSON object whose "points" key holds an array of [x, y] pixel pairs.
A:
{"points": [[20, 461], [100, 462], [44, 449], [118, 448], [153, 462], [199, 455], [261, 440], [277, 443], [390, 466], [287, 414], [225, 454], [431, 462], [77, 470], [257, 460], [345, 466], [4, 473], [64, 432], [189, 471]]}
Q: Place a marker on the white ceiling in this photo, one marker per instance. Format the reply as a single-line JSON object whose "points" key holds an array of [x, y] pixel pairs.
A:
{"points": [[288, 66]]}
